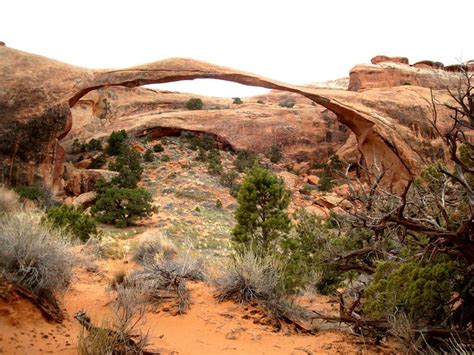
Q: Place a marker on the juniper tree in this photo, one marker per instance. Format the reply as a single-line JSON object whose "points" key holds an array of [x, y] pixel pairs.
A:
{"points": [[261, 216]]}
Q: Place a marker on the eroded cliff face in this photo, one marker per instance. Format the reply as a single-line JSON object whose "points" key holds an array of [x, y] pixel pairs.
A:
{"points": [[396, 71], [306, 131], [36, 93]]}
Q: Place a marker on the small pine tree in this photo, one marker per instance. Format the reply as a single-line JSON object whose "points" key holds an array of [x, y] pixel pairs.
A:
{"points": [[115, 141], [129, 167], [261, 216]]}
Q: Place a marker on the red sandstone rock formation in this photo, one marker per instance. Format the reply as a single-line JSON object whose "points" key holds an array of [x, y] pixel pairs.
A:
{"points": [[37, 93], [305, 132]]}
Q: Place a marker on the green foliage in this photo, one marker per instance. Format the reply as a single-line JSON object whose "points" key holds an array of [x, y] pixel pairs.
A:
{"points": [[245, 160], [77, 146], [194, 104], [98, 162], [80, 225], [36, 193], [93, 145], [261, 215], [128, 164], [229, 179], [420, 289], [214, 164], [158, 148], [326, 182], [275, 153], [148, 156], [237, 101], [207, 142], [260, 102], [115, 142], [122, 206], [165, 158]]}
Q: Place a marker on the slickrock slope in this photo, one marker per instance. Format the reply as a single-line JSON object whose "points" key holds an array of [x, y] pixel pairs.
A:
{"points": [[306, 132], [36, 94]]}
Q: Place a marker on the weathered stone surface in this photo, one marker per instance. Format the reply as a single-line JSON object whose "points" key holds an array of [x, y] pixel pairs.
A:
{"points": [[305, 132], [36, 94], [384, 59], [389, 74], [85, 200], [313, 179], [84, 180]]}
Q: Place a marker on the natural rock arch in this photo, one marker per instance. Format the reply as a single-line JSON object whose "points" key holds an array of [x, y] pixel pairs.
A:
{"points": [[36, 94]]}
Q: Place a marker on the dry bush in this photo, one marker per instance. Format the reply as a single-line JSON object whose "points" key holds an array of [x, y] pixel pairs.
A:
{"points": [[119, 335], [33, 255], [164, 279], [107, 247], [9, 201], [153, 244], [249, 278]]}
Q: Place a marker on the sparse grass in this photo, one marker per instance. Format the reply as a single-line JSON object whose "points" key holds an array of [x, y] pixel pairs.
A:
{"points": [[9, 201], [165, 278], [248, 278], [195, 194], [153, 244], [34, 256], [108, 247]]}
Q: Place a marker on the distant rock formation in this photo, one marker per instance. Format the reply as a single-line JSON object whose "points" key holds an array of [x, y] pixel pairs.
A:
{"points": [[396, 71], [36, 94]]}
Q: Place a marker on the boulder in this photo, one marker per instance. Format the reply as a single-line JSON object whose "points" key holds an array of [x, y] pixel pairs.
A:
{"points": [[81, 181], [85, 200], [313, 179], [329, 201]]}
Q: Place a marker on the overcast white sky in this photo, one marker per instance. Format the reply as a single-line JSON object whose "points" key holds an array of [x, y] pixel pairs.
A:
{"points": [[297, 41]]}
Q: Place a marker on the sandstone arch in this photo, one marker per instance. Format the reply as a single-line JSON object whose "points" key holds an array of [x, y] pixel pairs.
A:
{"points": [[36, 94]]}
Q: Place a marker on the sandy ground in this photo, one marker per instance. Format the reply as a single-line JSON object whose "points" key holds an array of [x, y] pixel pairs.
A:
{"points": [[208, 327]]}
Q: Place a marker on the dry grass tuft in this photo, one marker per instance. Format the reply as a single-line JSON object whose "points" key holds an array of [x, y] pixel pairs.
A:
{"points": [[9, 201], [152, 244], [34, 256], [248, 278]]}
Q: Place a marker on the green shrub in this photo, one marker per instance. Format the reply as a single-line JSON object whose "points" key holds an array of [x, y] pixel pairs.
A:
{"points": [[122, 206], [245, 160], [194, 104], [229, 179], [115, 142], [422, 290], [93, 145], [148, 156], [34, 256], [260, 102], [165, 158], [98, 162], [326, 182], [35, 193], [128, 165], [158, 148], [73, 220], [214, 164], [237, 101], [207, 142], [261, 215], [77, 146], [275, 153]]}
